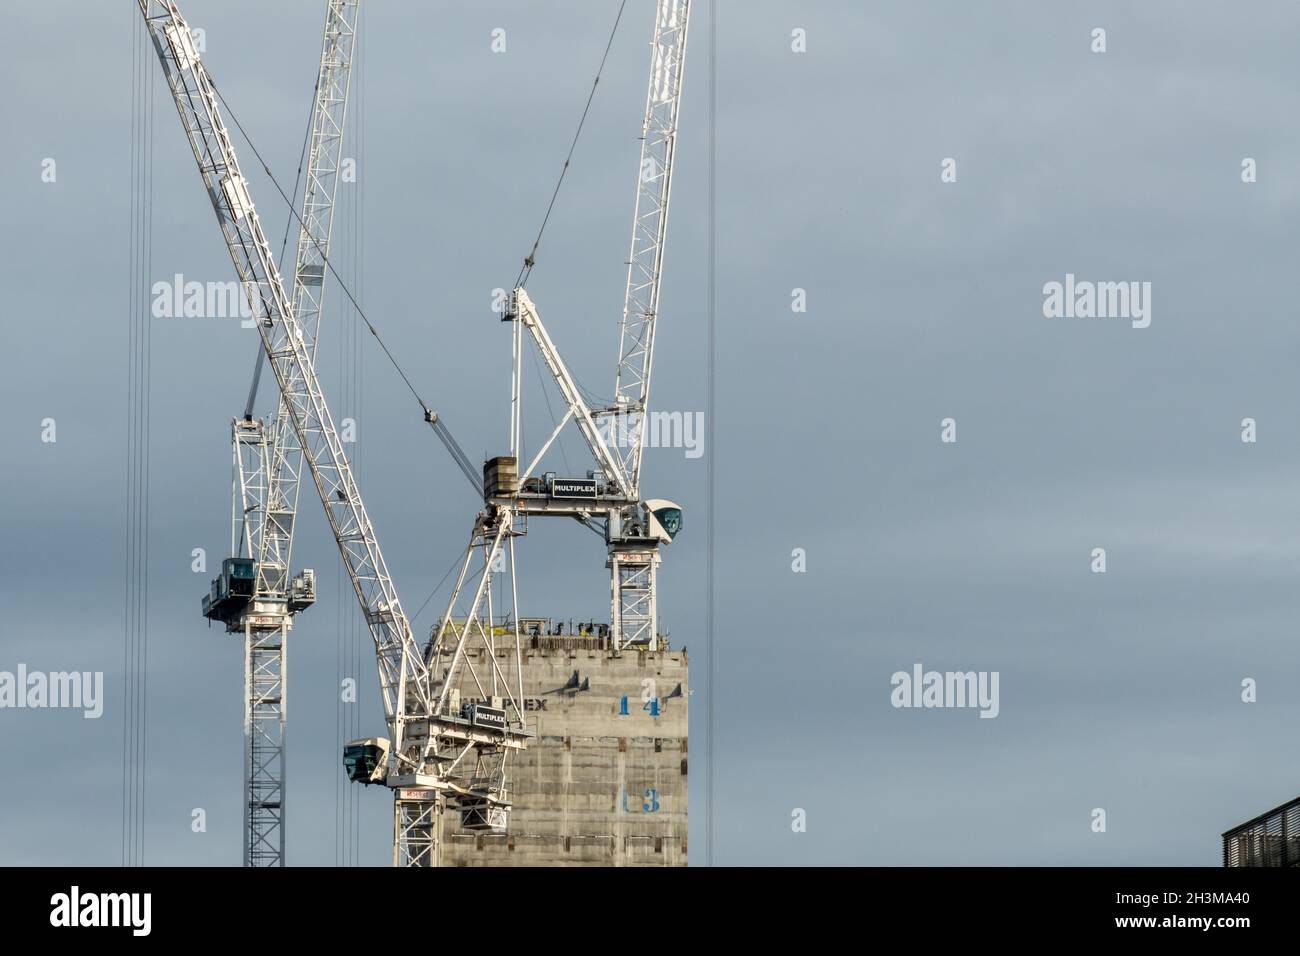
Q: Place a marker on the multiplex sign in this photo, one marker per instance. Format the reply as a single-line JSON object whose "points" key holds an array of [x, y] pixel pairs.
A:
{"points": [[573, 488]]}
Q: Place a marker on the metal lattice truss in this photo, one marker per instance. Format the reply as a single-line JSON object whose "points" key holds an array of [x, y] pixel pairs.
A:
{"points": [[415, 829], [324, 160], [264, 744], [402, 676], [248, 495], [649, 227], [265, 633], [634, 615]]}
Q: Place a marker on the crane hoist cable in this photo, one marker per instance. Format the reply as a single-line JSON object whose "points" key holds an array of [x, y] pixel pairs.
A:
{"points": [[531, 259], [138, 418], [439, 426]]}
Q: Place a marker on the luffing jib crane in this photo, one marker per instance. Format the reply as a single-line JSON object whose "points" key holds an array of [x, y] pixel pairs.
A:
{"points": [[609, 499], [441, 752], [268, 464]]}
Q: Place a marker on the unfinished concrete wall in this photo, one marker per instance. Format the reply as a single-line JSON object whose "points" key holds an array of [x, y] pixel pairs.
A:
{"points": [[604, 782]]}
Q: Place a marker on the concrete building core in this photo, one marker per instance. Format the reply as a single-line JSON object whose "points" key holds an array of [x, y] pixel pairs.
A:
{"points": [[604, 783]]}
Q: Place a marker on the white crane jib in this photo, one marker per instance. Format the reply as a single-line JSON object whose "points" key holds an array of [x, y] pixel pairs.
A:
{"points": [[649, 229]]}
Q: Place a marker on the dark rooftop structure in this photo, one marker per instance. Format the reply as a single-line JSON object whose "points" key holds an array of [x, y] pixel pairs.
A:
{"points": [[1271, 839]]}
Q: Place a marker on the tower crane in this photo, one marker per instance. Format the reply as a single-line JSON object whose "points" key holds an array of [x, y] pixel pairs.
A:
{"points": [[440, 752], [268, 462], [608, 499]]}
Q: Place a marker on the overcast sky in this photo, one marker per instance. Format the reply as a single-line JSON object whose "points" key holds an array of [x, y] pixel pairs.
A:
{"points": [[1120, 691]]}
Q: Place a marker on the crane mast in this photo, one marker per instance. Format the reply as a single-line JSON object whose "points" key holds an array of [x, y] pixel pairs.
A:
{"points": [[424, 758]]}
